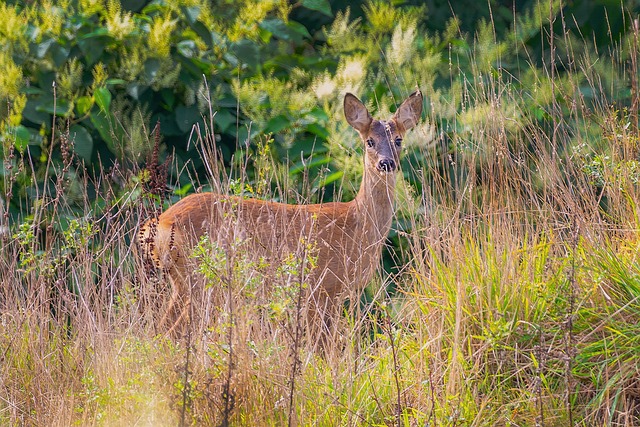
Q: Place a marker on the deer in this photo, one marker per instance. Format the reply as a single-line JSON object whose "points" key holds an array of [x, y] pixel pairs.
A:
{"points": [[346, 237]]}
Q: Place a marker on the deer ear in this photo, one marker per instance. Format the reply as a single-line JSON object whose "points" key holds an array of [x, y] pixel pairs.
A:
{"points": [[357, 114], [409, 112]]}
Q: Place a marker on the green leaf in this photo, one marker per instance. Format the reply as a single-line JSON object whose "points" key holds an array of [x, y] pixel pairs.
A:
{"points": [[101, 123], [191, 13], [197, 67], [92, 47], [291, 31], [59, 54], [169, 98], [58, 107], [43, 48], [151, 68], [246, 52], [82, 142], [187, 48], [278, 123], [102, 96], [203, 32], [318, 130], [227, 101], [84, 104], [307, 146], [277, 27], [322, 6], [22, 138], [99, 32], [223, 119], [298, 31], [183, 191], [318, 114], [331, 178], [133, 5], [135, 90], [243, 137], [32, 90], [168, 125], [115, 82], [301, 167], [186, 117], [32, 112]]}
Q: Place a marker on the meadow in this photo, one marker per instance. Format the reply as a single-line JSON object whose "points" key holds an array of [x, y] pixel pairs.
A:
{"points": [[509, 290]]}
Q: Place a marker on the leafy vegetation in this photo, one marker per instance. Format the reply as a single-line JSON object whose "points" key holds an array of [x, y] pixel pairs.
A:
{"points": [[509, 290]]}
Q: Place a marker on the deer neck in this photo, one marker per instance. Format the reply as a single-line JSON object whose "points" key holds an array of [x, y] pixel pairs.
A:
{"points": [[375, 203]]}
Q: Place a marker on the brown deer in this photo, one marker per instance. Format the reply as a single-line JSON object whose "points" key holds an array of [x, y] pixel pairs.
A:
{"points": [[346, 237]]}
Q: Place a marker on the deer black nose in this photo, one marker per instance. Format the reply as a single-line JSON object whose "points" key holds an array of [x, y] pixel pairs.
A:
{"points": [[387, 165]]}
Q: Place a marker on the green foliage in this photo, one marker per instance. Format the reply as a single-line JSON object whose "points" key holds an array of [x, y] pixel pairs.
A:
{"points": [[76, 237], [106, 73]]}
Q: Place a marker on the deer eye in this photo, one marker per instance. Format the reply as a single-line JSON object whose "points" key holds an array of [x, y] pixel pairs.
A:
{"points": [[370, 142], [398, 141]]}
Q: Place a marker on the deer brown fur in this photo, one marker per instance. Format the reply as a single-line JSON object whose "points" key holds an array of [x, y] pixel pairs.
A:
{"points": [[347, 237]]}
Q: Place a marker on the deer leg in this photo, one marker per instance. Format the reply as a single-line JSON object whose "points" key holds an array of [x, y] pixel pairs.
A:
{"points": [[176, 313]]}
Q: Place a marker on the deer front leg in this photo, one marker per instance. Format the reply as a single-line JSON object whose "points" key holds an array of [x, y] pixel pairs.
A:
{"points": [[176, 316]]}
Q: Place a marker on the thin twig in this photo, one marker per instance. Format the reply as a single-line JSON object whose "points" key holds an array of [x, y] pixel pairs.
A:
{"points": [[186, 390], [297, 338], [396, 369]]}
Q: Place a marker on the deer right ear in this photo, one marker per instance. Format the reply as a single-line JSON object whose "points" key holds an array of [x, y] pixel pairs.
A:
{"points": [[408, 113], [356, 113]]}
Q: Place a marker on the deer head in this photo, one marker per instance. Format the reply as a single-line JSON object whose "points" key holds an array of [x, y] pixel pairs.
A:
{"points": [[383, 139]]}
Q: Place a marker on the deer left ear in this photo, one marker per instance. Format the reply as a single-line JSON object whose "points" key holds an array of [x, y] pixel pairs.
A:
{"points": [[409, 112], [356, 113]]}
